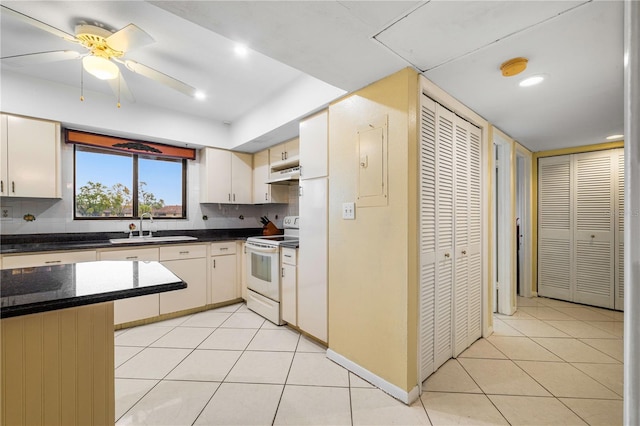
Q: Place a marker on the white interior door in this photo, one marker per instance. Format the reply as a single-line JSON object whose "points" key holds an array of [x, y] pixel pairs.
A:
{"points": [[619, 262], [427, 235], [555, 240], [594, 228]]}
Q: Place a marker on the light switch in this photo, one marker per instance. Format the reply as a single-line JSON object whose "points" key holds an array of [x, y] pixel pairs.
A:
{"points": [[349, 211]]}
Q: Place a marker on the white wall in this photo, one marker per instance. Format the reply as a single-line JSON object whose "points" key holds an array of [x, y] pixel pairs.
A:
{"points": [[24, 95], [298, 100], [56, 216]]}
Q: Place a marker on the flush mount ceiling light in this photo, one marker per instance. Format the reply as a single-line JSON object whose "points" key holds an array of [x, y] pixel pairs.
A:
{"points": [[513, 66], [612, 137], [531, 81], [100, 67]]}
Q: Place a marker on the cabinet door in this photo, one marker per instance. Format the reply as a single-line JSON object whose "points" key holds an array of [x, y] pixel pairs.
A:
{"points": [[289, 280], [292, 150], [215, 176], [241, 178], [276, 154], [314, 141], [194, 273], [33, 158], [134, 308], [264, 193], [223, 279], [3, 156]]}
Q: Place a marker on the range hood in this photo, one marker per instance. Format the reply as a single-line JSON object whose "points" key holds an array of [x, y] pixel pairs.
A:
{"points": [[285, 176]]}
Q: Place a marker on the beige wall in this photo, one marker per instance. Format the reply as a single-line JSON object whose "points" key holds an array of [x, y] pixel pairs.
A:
{"points": [[373, 259]]}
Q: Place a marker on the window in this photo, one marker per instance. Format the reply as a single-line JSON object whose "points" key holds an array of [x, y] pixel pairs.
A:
{"points": [[111, 185]]}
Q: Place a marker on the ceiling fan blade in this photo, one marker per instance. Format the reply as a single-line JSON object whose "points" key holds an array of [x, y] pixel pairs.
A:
{"points": [[129, 38], [39, 24], [122, 89], [160, 77], [40, 57]]}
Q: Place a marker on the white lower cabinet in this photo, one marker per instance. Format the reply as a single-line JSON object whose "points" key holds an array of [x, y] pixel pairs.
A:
{"points": [[189, 262], [134, 308], [32, 260], [289, 286], [224, 270]]}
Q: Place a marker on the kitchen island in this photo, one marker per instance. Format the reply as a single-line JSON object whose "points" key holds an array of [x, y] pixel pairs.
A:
{"points": [[58, 339]]}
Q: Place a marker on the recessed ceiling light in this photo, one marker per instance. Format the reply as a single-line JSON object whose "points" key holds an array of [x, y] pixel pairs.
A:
{"points": [[241, 50], [200, 95], [615, 137], [532, 81]]}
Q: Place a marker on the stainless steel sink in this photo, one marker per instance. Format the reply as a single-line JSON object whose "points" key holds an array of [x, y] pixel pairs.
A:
{"points": [[154, 239]]}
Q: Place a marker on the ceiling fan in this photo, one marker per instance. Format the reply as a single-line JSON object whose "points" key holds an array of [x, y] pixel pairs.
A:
{"points": [[105, 50]]}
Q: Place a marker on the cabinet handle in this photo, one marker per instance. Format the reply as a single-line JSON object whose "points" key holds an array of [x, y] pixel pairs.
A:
{"points": [[53, 261], [234, 198], [286, 155], [214, 263], [593, 236], [131, 257], [287, 255], [266, 196], [282, 155], [1, 186], [447, 255], [282, 272], [184, 252], [464, 252], [224, 248], [13, 187], [229, 197]]}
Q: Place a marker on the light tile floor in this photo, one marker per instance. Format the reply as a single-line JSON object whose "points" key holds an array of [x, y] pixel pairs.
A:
{"points": [[552, 362]]}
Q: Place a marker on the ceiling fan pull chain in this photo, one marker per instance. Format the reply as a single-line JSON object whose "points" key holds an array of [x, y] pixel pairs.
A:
{"points": [[81, 83]]}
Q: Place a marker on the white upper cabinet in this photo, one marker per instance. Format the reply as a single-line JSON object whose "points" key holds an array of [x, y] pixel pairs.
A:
{"points": [[225, 177], [314, 141], [284, 154], [29, 158], [264, 193]]}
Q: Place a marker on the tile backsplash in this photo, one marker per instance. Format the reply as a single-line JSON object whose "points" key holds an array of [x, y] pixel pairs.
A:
{"points": [[56, 215]]}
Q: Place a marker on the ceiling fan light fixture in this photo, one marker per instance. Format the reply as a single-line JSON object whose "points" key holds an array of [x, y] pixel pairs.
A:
{"points": [[513, 66], [99, 67]]}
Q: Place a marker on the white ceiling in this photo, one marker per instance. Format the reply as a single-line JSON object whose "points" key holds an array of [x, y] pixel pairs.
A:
{"points": [[459, 45]]}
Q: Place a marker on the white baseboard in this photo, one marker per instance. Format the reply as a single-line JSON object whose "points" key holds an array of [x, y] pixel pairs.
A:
{"points": [[377, 381]]}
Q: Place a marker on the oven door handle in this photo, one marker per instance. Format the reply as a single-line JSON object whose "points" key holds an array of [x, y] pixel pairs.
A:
{"points": [[262, 249]]}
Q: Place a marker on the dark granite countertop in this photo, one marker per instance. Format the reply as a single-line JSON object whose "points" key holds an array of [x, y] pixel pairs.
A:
{"points": [[80, 241], [25, 291]]}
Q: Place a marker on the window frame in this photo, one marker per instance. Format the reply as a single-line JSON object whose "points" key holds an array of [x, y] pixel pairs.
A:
{"points": [[135, 184]]}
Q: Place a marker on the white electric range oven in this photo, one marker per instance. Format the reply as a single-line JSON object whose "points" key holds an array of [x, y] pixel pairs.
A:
{"points": [[263, 270]]}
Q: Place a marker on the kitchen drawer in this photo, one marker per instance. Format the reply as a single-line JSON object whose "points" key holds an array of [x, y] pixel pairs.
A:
{"points": [[142, 254], [227, 247], [45, 259], [187, 251], [289, 256]]}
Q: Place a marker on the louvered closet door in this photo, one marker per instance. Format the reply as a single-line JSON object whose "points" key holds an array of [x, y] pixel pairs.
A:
{"points": [[427, 235], [554, 227], [445, 120], [475, 227], [461, 237], [467, 288], [619, 244], [594, 198]]}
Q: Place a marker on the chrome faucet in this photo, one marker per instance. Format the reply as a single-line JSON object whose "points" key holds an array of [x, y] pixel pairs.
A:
{"points": [[141, 234]]}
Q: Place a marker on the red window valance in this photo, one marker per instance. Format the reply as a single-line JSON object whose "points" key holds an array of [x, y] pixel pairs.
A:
{"points": [[129, 145]]}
